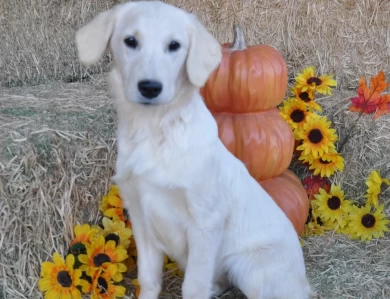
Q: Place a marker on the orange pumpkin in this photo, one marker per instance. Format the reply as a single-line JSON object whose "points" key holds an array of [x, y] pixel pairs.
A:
{"points": [[248, 79], [287, 191], [263, 141], [242, 94]]}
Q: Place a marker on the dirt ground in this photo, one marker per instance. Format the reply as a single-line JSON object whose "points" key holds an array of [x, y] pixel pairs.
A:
{"points": [[57, 153]]}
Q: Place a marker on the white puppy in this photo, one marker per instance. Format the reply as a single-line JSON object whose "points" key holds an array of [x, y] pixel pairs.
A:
{"points": [[187, 195]]}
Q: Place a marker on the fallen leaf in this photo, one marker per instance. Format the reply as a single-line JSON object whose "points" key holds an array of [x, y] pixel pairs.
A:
{"points": [[312, 185], [384, 109], [371, 100]]}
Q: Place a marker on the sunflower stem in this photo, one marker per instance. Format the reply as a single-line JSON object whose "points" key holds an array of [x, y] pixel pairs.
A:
{"points": [[349, 135], [239, 42]]}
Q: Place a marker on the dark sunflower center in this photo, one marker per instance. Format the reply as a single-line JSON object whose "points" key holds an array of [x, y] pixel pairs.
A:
{"points": [[297, 116], [86, 277], [100, 259], [103, 285], [64, 279], [315, 80], [126, 213], [324, 162], [304, 96], [315, 136], [309, 217], [78, 248], [113, 237], [368, 220], [334, 203]]}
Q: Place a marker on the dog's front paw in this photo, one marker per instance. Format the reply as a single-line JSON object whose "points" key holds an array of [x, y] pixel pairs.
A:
{"points": [[149, 292], [196, 290], [220, 287]]}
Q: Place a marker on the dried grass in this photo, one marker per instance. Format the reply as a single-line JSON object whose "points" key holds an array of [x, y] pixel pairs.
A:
{"points": [[348, 38], [58, 146], [57, 156]]}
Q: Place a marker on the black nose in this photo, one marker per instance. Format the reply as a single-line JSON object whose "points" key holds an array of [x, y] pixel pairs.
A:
{"points": [[149, 89]]}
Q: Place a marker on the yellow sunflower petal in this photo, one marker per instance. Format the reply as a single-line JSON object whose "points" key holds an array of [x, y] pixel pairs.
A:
{"points": [[70, 261], [120, 291], [106, 222], [115, 201], [117, 277], [85, 286], [47, 267], [75, 294], [83, 258], [76, 276], [111, 246], [121, 267], [45, 284], [57, 259], [52, 294], [66, 295], [113, 212]]}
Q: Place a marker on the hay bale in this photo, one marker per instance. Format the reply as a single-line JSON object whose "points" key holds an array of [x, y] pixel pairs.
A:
{"points": [[347, 38], [57, 155]]}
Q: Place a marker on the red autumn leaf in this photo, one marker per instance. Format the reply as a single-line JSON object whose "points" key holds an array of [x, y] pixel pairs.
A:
{"points": [[371, 100], [312, 185], [385, 107]]}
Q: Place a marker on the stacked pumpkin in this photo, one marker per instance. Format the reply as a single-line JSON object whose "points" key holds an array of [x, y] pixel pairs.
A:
{"points": [[242, 94]]}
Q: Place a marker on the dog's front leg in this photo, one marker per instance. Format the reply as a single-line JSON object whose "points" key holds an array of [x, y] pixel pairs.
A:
{"points": [[199, 274], [150, 258], [150, 267]]}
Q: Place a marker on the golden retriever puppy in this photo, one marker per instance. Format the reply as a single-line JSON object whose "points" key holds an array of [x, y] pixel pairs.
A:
{"points": [[187, 195]]}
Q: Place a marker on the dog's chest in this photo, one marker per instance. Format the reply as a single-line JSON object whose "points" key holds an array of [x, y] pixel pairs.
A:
{"points": [[166, 218], [160, 159]]}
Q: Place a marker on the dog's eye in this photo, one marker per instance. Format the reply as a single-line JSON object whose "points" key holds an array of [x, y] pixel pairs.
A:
{"points": [[173, 46], [131, 42]]}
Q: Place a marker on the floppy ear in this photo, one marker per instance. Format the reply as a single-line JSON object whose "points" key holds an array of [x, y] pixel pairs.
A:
{"points": [[204, 55], [93, 38]]}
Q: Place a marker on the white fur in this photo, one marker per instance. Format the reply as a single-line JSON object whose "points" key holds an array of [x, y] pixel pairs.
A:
{"points": [[187, 195]]}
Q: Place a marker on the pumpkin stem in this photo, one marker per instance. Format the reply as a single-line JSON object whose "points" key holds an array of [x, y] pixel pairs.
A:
{"points": [[239, 38]]}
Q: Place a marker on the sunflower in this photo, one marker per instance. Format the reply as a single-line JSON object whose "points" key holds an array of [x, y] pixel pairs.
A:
{"points": [[317, 136], [332, 206], [294, 113], [307, 80], [131, 250], [174, 269], [172, 266], [374, 183], [130, 262], [314, 224], [83, 234], [116, 230], [365, 224], [327, 164], [112, 205], [135, 283], [101, 285], [59, 279], [101, 254], [306, 97], [306, 158]]}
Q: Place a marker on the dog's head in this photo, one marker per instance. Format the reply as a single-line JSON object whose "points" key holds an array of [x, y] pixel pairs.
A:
{"points": [[157, 49]]}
